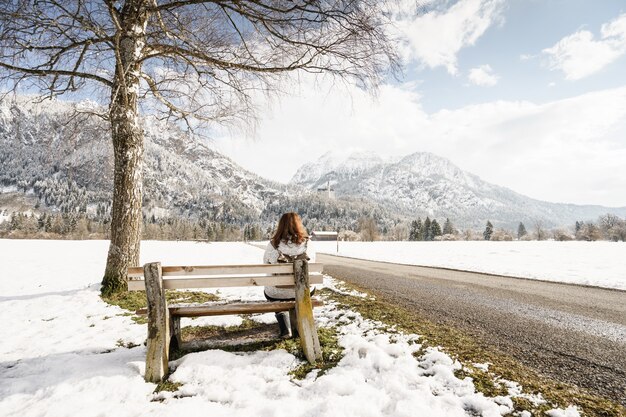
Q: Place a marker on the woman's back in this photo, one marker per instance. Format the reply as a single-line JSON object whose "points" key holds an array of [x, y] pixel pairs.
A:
{"points": [[272, 255]]}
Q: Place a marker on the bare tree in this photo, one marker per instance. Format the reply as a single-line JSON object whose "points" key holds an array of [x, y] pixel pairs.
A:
{"points": [[540, 230], [501, 235], [609, 225], [589, 232], [187, 60], [399, 232], [562, 235], [368, 229]]}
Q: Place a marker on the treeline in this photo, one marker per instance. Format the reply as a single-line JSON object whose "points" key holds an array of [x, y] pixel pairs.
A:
{"points": [[54, 226], [81, 225], [608, 227]]}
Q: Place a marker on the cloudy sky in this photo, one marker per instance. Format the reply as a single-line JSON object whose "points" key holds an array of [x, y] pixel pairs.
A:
{"points": [[528, 94]]}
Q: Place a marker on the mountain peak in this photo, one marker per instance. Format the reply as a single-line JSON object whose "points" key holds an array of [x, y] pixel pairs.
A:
{"points": [[334, 165]]}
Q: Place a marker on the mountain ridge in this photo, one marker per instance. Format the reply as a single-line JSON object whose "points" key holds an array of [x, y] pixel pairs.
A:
{"points": [[425, 184]]}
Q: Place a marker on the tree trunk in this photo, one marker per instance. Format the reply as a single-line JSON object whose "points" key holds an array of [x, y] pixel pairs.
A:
{"points": [[128, 148]]}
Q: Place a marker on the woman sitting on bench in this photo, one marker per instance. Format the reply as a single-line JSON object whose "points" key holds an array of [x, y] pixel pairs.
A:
{"points": [[288, 244]]}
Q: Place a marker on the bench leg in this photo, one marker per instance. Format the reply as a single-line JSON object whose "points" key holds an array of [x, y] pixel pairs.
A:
{"points": [[157, 356], [304, 311], [293, 321]]}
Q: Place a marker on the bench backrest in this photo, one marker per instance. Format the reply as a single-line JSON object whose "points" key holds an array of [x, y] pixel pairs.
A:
{"points": [[218, 276]]}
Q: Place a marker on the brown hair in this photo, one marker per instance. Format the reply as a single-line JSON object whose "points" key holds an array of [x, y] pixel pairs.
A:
{"points": [[289, 228]]}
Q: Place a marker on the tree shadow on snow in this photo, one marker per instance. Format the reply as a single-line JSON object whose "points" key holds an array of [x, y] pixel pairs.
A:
{"points": [[92, 287]]}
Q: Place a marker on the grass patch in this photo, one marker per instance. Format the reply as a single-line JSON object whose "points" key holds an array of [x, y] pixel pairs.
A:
{"points": [[167, 386], [332, 353], [135, 300], [470, 350], [209, 332], [129, 300], [189, 297]]}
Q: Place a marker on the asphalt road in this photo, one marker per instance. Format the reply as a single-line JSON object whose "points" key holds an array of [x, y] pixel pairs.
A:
{"points": [[571, 333]]}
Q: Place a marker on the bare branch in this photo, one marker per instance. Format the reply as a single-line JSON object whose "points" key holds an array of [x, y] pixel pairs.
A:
{"points": [[47, 73]]}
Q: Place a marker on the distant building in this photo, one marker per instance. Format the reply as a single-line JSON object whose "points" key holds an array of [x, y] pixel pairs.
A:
{"points": [[328, 190], [323, 236]]}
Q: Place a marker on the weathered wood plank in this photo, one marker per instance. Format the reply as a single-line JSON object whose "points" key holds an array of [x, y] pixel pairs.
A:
{"points": [[135, 272], [233, 308], [221, 282], [158, 324], [304, 311]]}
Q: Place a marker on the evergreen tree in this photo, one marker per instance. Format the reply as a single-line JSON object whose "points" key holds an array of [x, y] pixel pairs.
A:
{"points": [[521, 230], [420, 229], [415, 232], [448, 228], [426, 230], [578, 226], [488, 231], [435, 229]]}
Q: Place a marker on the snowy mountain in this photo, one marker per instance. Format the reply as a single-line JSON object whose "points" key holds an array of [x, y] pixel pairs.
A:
{"points": [[54, 159], [335, 168], [424, 184], [64, 160]]}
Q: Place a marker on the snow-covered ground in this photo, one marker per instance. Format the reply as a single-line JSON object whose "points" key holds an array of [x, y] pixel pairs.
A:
{"points": [[600, 264], [61, 353]]}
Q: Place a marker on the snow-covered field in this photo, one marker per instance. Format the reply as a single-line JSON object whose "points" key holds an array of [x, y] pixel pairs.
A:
{"points": [[61, 352], [601, 264]]}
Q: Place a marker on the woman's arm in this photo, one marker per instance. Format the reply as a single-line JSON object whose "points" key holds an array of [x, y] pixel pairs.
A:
{"points": [[271, 255]]}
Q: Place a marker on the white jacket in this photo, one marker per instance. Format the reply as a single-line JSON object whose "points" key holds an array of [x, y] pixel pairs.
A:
{"points": [[271, 257]]}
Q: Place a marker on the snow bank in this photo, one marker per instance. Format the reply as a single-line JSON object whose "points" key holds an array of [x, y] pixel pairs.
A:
{"points": [[599, 264]]}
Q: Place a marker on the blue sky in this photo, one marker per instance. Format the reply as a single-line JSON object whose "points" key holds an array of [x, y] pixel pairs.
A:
{"points": [[528, 27], [528, 94]]}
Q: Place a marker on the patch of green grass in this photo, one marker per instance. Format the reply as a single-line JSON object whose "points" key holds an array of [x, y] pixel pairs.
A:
{"points": [[483, 382], [208, 332], [332, 353], [468, 350], [129, 300], [167, 385], [136, 300], [189, 297]]}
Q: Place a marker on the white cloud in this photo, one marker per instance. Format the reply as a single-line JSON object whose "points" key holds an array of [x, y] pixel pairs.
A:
{"points": [[566, 150], [483, 76], [436, 37], [580, 54]]}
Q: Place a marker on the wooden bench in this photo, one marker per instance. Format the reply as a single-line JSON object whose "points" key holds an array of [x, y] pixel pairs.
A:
{"points": [[164, 330]]}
